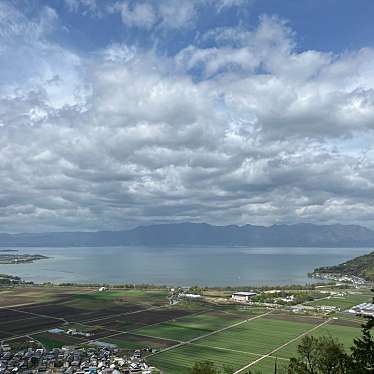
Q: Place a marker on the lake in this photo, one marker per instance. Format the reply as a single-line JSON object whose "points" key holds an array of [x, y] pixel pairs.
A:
{"points": [[180, 266]]}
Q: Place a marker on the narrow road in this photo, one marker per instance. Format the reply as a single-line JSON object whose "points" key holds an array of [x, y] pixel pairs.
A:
{"points": [[210, 334], [282, 346]]}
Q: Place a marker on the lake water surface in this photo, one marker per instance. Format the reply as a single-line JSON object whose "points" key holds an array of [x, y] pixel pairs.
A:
{"points": [[182, 266]]}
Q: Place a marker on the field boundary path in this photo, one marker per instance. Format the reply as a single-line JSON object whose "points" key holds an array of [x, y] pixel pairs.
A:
{"points": [[282, 346], [111, 332], [45, 316], [134, 331], [236, 351], [209, 334], [99, 319]]}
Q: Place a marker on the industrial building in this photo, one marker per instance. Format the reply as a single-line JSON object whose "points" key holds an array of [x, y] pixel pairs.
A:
{"points": [[243, 296], [365, 309]]}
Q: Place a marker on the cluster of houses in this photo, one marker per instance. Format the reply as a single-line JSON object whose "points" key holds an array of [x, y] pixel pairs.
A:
{"points": [[70, 360], [72, 332], [356, 281], [300, 308]]}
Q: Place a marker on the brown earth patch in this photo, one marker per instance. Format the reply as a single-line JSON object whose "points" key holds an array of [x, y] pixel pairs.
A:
{"points": [[137, 320], [11, 315], [27, 326], [139, 341], [75, 314], [4, 335], [346, 322]]}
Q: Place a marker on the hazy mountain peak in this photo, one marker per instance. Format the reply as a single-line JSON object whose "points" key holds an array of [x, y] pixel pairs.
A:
{"points": [[189, 234]]}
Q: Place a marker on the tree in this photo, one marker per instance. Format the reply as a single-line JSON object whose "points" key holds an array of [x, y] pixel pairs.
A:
{"points": [[320, 355], [205, 367], [362, 358]]}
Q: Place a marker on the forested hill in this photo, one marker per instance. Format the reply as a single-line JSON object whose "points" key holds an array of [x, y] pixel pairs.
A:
{"points": [[188, 234], [362, 266]]}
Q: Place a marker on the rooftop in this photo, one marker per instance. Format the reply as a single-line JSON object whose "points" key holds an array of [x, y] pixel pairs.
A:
{"points": [[249, 293]]}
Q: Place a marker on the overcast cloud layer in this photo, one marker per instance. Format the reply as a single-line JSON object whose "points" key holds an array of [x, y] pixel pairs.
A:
{"points": [[237, 126]]}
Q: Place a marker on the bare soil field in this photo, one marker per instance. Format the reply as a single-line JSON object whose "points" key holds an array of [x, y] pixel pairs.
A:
{"points": [[131, 341], [10, 314], [137, 320], [347, 322], [4, 335], [27, 326], [36, 294]]}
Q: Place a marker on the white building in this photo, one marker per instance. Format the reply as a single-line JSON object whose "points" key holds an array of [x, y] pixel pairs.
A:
{"points": [[365, 309], [242, 296], [288, 299], [190, 295]]}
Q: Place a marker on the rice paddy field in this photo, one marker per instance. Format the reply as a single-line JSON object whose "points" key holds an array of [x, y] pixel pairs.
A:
{"points": [[176, 336], [186, 328], [249, 342]]}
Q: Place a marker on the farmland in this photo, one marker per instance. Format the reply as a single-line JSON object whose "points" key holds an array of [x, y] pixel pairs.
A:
{"points": [[176, 336], [344, 302], [248, 342]]}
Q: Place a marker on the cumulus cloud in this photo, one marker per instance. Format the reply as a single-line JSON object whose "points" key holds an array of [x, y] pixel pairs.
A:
{"points": [[251, 130]]}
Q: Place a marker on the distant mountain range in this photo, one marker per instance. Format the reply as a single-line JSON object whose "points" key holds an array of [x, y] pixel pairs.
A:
{"points": [[190, 234]]}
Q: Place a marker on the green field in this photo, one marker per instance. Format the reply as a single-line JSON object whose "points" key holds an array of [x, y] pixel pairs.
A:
{"points": [[171, 331], [267, 366], [187, 328], [132, 342], [344, 302], [238, 346], [342, 334], [259, 336], [180, 360], [50, 341]]}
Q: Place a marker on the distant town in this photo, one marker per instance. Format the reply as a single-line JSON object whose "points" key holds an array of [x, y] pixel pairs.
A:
{"points": [[70, 360]]}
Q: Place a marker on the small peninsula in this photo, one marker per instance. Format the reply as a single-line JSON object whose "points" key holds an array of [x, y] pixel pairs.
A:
{"points": [[360, 267], [11, 258]]}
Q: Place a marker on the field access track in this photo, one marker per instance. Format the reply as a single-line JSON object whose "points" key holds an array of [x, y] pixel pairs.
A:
{"points": [[253, 343]]}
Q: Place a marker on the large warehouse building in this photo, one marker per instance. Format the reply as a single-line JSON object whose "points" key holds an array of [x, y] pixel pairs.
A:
{"points": [[365, 309], [243, 296]]}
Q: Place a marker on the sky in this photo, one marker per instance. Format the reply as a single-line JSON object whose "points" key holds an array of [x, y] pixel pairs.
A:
{"points": [[120, 113]]}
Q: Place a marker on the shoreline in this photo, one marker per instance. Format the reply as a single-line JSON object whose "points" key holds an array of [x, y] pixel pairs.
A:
{"points": [[14, 259], [128, 285]]}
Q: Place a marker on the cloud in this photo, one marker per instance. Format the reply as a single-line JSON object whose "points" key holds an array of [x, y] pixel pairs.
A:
{"points": [[169, 14], [85, 6], [240, 127], [224, 4], [139, 15], [166, 14], [175, 15]]}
